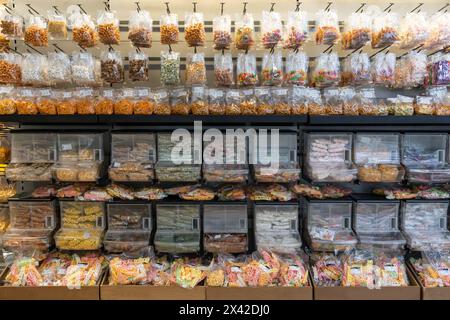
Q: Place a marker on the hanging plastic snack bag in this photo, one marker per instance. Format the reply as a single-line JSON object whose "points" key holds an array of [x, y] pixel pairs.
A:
{"points": [[169, 28], [36, 32], [83, 98], [10, 68], [327, 28], [413, 30], [424, 105], [65, 102], [12, 25], [170, 68], [83, 31], [194, 31], [222, 32], [404, 106], [198, 100], [357, 33], [25, 99], [296, 69], [313, 99], [216, 101], [195, 69], [443, 106], [7, 103], [140, 29], [326, 73], [271, 29], [45, 102], [138, 66], [272, 69], [356, 70], [160, 98], [350, 106], [112, 67], [264, 101], [35, 69], [333, 103], [4, 42], [223, 69], [246, 70], [438, 31], [296, 30], [383, 69], [249, 100], [60, 70], [83, 66], [179, 101], [108, 28], [297, 101], [411, 70], [244, 37], [143, 104], [438, 70], [57, 25], [104, 104], [385, 28], [125, 101], [280, 100], [233, 102]]}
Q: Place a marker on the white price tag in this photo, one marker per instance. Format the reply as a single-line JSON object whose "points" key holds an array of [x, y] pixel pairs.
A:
{"points": [[66, 146]]}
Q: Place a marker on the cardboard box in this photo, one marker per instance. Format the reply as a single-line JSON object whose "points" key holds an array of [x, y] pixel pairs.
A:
{"points": [[261, 293], [412, 292], [438, 293]]}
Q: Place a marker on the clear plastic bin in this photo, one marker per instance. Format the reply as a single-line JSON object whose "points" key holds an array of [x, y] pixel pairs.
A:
{"points": [[123, 216], [285, 173], [169, 172], [72, 172], [131, 172], [27, 241], [428, 175], [328, 225], [376, 224], [424, 150], [333, 172], [29, 172], [80, 147], [82, 215], [33, 147], [277, 228], [131, 241], [166, 146], [133, 147], [36, 215], [424, 224], [229, 173], [173, 217], [177, 242], [79, 239]]}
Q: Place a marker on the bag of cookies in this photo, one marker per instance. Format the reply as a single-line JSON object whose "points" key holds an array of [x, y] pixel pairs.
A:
{"points": [[140, 30]]}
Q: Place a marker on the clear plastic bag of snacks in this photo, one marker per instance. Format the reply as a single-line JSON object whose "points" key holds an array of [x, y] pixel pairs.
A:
{"points": [[223, 69], [160, 98], [357, 33], [272, 69], [296, 69], [314, 102], [104, 104], [280, 101], [143, 104], [413, 30], [244, 35], [438, 31], [83, 68], [233, 102], [222, 32], [125, 101], [296, 30], [326, 73], [12, 25], [198, 100], [112, 66], [246, 70], [248, 104], [138, 66], [263, 101], [404, 106], [438, 71], [108, 28], [385, 29], [83, 31], [350, 106], [411, 70], [327, 28], [424, 105], [35, 69], [26, 101], [383, 69], [4, 42], [443, 106], [271, 27], [169, 28], [36, 32], [45, 101], [83, 98], [65, 104], [7, 103], [140, 29], [179, 104], [333, 103], [195, 69], [216, 101], [356, 70], [194, 30], [297, 102], [170, 68], [60, 71], [57, 25], [365, 98], [10, 68]]}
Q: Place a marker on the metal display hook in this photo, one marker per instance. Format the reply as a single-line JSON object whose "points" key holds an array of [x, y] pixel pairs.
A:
{"points": [[81, 8], [297, 6], [138, 7], [361, 7], [245, 7], [167, 7], [221, 8], [32, 9]]}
